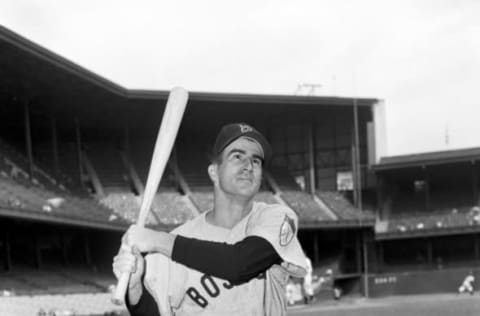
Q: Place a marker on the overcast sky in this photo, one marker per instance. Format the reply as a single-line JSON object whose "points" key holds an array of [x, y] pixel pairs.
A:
{"points": [[421, 57]]}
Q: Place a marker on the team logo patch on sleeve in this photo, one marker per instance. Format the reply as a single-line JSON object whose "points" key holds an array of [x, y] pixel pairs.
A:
{"points": [[287, 231]]}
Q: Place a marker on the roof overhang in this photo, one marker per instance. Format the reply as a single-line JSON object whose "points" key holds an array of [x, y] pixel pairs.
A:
{"points": [[428, 159], [338, 224]]}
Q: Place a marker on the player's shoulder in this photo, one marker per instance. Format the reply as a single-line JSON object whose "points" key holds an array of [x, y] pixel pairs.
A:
{"points": [[262, 210], [187, 227]]}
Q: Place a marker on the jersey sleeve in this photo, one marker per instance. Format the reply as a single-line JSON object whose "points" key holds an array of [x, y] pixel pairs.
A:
{"points": [[278, 224], [164, 279]]}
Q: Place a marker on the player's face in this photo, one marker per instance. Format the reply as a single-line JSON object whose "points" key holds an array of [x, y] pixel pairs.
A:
{"points": [[240, 170]]}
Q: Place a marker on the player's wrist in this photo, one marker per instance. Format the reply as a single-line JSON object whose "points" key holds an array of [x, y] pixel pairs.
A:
{"points": [[164, 243]]}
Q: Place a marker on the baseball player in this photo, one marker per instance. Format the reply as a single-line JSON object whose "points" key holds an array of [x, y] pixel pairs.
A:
{"points": [[467, 284], [233, 260], [307, 283]]}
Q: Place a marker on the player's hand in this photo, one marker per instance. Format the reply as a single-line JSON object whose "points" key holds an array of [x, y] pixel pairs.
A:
{"points": [[131, 262], [144, 239]]}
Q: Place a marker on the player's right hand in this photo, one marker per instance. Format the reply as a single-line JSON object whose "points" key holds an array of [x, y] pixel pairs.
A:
{"points": [[131, 262]]}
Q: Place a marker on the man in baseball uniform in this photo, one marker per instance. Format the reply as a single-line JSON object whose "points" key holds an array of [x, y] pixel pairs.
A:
{"points": [[467, 284], [233, 260]]}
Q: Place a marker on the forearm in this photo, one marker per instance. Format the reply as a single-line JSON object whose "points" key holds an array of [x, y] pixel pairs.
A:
{"points": [[144, 305], [134, 293], [237, 263]]}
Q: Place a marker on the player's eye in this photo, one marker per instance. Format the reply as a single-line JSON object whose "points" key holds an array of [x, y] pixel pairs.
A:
{"points": [[236, 156], [257, 162]]}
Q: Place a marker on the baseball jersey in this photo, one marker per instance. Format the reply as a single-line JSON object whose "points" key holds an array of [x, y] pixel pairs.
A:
{"points": [[179, 290], [469, 279]]}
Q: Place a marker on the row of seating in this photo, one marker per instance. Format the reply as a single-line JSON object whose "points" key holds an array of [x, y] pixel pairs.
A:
{"points": [[61, 304], [342, 207], [54, 280], [436, 219], [34, 198], [169, 208], [16, 165], [308, 210]]}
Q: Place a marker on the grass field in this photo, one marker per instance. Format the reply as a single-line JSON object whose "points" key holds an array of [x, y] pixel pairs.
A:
{"points": [[423, 305]]}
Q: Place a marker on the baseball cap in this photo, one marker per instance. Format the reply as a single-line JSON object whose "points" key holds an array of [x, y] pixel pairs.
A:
{"points": [[231, 132]]}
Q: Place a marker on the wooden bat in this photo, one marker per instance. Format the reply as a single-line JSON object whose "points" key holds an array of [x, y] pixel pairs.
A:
{"points": [[172, 116]]}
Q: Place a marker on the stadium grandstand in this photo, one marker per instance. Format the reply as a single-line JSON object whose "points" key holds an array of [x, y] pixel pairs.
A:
{"points": [[75, 149], [428, 221]]}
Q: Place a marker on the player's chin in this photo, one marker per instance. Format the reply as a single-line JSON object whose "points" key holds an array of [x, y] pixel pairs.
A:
{"points": [[248, 189]]}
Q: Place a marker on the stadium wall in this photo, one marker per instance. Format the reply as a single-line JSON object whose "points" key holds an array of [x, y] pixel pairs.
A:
{"points": [[418, 282]]}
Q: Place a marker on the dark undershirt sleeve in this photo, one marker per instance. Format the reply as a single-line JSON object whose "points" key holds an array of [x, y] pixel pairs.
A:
{"points": [[237, 263], [146, 306]]}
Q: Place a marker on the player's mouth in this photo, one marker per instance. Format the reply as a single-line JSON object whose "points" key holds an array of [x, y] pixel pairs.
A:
{"points": [[245, 179]]}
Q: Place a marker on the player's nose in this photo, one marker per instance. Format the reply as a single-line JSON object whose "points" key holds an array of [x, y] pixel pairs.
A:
{"points": [[248, 163]]}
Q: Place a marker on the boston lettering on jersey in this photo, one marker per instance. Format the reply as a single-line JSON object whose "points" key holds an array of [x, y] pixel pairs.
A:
{"points": [[209, 286]]}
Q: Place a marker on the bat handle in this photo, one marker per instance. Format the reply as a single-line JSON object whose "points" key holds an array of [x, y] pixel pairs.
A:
{"points": [[121, 288]]}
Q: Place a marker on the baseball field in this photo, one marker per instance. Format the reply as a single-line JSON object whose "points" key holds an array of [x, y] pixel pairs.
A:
{"points": [[423, 305]]}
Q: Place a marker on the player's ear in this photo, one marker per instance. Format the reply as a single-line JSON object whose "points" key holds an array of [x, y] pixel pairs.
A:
{"points": [[212, 172]]}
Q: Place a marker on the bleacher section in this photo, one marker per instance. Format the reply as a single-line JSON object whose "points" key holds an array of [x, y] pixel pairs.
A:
{"points": [[108, 165], [436, 220], [308, 210], [448, 209], [303, 203], [56, 290], [69, 165], [74, 304], [193, 165], [170, 207], [140, 156], [342, 207], [16, 165], [18, 194]]}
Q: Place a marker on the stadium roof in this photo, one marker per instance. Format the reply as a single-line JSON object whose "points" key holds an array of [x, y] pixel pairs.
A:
{"points": [[53, 84], [428, 159]]}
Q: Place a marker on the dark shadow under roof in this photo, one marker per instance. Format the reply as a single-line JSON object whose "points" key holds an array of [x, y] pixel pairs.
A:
{"points": [[428, 159]]}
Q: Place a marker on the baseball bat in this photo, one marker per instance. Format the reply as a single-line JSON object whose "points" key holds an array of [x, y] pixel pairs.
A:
{"points": [[172, 117]]}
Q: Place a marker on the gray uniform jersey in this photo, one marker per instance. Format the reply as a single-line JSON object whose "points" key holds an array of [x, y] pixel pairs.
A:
{"points": [[179, 290]]}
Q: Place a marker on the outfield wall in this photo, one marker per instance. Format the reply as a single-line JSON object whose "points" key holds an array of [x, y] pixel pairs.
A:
{"points": [[418, 282]]}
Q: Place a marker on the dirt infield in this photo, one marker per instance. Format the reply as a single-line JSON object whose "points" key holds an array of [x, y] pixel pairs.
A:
{"points": [[424, 305]]}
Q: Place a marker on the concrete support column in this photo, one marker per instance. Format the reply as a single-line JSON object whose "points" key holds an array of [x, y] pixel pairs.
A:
{"points": [[79, 151], [311, 158], [53, 127], [365, 263], [316, 250], [28, 139]]}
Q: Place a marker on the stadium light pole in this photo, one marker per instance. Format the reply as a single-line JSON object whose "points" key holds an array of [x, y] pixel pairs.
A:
{"points": [[358, 169]]}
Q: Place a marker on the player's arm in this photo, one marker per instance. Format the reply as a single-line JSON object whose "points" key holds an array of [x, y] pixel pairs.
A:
{"points": [[236, 263], [271, 239], [146, 305], [138, 300]]}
